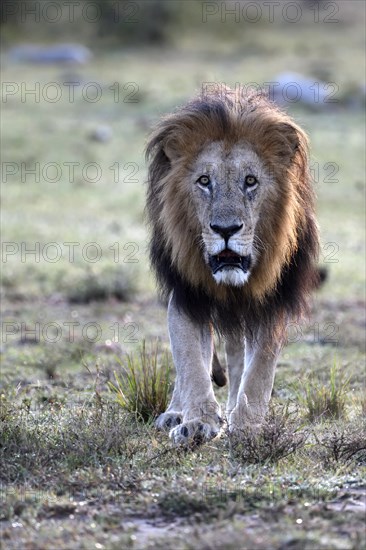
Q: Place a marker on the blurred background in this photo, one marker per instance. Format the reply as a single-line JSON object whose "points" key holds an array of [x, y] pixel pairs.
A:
{"points": [[83, 83]]}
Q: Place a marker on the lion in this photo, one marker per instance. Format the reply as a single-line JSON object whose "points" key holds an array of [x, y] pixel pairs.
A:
{"points": [[234, 246]]}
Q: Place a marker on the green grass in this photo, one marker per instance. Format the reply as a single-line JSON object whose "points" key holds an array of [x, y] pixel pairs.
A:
{"points": [[142, 385], [80, 470], [326, 400]]}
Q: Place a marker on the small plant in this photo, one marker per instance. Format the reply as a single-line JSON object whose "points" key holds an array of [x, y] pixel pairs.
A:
{"points": [[344, 443], [96, 285], [144, 385], [326, 401], [280, 436]]}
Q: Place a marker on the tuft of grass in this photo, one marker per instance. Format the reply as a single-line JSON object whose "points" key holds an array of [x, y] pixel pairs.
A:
{"points": [[326, 401], [143, 386], [91, 285], [344, 443], [280, 436]]}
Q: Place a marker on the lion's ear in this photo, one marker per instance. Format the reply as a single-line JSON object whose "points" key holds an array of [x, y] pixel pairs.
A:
{"points": [[171, 149], [294, 140], [290, 136]]}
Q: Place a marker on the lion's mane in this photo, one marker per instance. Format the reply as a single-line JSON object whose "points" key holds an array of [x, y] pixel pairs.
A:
{"points": [[279, 285]]}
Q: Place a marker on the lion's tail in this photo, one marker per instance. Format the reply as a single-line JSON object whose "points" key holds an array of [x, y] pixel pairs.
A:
{"points": [[322, 273], [218, 372]]}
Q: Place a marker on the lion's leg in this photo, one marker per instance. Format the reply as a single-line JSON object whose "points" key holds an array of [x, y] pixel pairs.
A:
{"points": [[234, 348], [192, 348], [256, 383]]}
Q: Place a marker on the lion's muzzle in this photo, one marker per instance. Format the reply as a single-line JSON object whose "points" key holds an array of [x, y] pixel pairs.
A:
{"points": [[227, 259]]}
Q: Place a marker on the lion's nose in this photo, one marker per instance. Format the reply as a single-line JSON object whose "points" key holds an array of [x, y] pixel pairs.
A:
{"points": [[226, 231]]}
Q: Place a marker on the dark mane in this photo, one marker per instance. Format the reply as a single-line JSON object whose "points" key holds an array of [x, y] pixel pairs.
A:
{"points": [[241, 313]]}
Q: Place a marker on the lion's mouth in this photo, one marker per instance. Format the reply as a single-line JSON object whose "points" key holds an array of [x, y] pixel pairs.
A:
{"points": [[227, 259]]}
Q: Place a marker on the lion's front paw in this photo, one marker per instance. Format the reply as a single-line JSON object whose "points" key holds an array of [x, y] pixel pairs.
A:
{"points": [[168, 420], [243, 418], [194, 432]]}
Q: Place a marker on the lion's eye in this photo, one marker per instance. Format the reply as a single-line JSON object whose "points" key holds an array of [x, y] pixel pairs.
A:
{"points": [[250, 181], [204, 180]]}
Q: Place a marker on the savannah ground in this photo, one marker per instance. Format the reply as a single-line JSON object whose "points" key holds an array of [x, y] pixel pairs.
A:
{"points": [[78, 471]]}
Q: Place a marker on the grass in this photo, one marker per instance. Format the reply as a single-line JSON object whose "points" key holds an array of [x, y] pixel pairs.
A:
{"points": [[91, 462], [78, 469], [100, 285], [324, 400], [343, 443], [142, 387], [281, 435]]}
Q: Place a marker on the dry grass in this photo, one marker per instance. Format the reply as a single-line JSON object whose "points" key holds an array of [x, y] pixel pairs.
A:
{"points": [[280, 436], [343, 443]]}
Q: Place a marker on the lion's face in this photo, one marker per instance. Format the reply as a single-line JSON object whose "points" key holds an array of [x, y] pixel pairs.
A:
{"points": [[230, 204], [229, 187]]}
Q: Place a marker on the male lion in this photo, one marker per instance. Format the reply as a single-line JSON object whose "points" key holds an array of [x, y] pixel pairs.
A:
{"points": [[234, 246]]}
